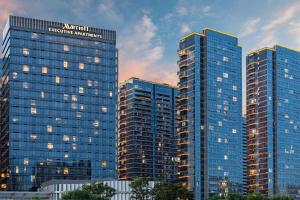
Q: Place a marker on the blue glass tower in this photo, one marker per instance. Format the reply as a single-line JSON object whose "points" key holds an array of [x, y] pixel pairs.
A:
{"points": [[58, 116], [147, 130], [210, 148], [273, 89]]}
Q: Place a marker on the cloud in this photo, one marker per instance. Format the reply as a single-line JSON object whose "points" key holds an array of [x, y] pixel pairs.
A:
{"points": [[108, 9], [283, 17], [8, 7], [250, 27], [141, 53], [294, 31], [184, 28]]}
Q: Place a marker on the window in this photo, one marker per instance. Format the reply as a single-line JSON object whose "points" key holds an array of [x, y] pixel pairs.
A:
{"points": [[66, 64], [14, 75], [110, 93], [234, 88], [225, 157], [219, 90], [234, 131], [25, 68], [57, 79], [34, 35], [33, 136], [96, 123], [103, 164], [81, 65], [90, 83], [234, 98], [74, 146], [33, 110], [219, 140], [225, 75], [219, 79], [25, 85], [220, 123], [50, 145], [81, 90], [66, 138], [104, 109], [25, 51], [49, 128], [225, 59], [17, 169], [26, 161], [42, 94], [66, 170], [74, 98], [66, 48], [97, 59], [44, 70], [66, 97]]}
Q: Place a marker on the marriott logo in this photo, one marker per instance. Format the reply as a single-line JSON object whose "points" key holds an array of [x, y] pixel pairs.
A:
{"points": [[75, 27]]}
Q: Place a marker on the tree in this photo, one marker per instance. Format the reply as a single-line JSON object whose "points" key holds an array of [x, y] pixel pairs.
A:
{"points": [[281, 197], [140, 189], [170, 191], [93, 191]]}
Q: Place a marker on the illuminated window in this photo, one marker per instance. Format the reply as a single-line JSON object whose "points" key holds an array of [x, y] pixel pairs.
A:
{"points": [[225, 140], [96, 123], [66, 170], [25, 51], [74, 146], [96, 92], [50, 145], [33, 102], [66, 155], [81, 90], [26, 161], [66, 64], [33, 110], [25, 85], [90, 83], [57, 80], [90, 139], [103, 164], [66, 48], [25, 68], [74, 98], [34, 35], [110, 93], [220, 123], [104, 109], [219, 79], [66, 138], [74, 139], [33, 136], [32, 178], [78, 114], [14, 75], [219, 140], [81, 107], [44, 70], [225, 59], [219, 90], [234, 131], [234, 87], [225, 75], [49, 128], [81, 65], [225, 157], [42, 94], [17, 169], [234, 98], [97, 59]]}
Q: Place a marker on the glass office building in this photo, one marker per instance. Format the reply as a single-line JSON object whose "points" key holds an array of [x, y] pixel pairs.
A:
{"points": [[147, 130], [210, 143], [273, 120], [58, 114]]}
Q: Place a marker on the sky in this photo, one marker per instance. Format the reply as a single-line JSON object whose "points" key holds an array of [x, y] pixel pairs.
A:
{"points": [[148, 31]]}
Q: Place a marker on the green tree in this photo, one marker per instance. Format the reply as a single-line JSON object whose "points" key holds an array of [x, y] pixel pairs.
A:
{"points": [[170, 191], [281, 197], [256, 196], [93, 191], [140, 189]]}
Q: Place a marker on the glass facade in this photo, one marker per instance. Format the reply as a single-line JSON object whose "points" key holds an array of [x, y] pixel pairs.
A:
{"points": [[58, 114], [273, 89], [147, 130], [210, 148]]}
